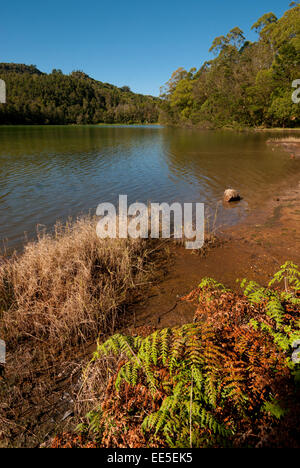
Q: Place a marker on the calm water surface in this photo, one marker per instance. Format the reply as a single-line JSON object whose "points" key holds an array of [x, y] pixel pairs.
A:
{"points": [[50, 173]]}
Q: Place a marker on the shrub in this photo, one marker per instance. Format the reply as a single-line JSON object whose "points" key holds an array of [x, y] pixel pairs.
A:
{"points": [[227, 379]]}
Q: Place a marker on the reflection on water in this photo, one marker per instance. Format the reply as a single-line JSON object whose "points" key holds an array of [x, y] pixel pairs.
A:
{"points": [[48, 173]]}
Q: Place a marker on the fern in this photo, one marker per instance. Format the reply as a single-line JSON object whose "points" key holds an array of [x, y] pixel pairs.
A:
{"points": [[273, 407], [210, 283], [95, 424], [203, 379], [289, 273], [192, 361], [254, 292], [282, 335]]}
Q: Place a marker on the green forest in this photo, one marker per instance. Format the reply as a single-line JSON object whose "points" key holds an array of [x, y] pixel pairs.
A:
{"points": [[34, 97], [246, 84]]}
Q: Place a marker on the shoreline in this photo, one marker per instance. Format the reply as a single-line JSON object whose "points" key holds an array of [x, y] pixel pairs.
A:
{"points": [[83, 125], [253, 249], [159, 124], [238, 128]]}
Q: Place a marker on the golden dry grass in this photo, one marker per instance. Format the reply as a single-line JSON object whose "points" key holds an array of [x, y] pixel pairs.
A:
{"points": [[290, 139], [70, 286]]}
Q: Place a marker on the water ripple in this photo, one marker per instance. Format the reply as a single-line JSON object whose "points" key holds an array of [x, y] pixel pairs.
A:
{"points": [[48, 173]]}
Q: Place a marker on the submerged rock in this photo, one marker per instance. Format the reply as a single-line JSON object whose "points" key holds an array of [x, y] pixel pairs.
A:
{"points": [[231, 195]]}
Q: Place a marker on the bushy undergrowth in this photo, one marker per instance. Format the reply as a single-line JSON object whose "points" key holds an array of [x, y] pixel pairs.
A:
{"points": [[228, 379], [60, 294]]}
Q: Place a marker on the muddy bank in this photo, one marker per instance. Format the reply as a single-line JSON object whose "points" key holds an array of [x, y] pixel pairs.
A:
{"points": [[254, 250]]}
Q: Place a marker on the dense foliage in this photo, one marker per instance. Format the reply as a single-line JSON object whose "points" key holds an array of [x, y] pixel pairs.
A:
{"points": [[246, 84], [231, 378], [34, 97]]}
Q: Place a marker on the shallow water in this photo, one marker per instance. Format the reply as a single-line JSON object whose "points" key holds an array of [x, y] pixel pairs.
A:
{"points": [[50, 173]]}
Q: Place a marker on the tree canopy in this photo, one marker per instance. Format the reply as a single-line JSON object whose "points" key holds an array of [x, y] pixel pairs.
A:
{"points": [[34, 97], [246, 84]]}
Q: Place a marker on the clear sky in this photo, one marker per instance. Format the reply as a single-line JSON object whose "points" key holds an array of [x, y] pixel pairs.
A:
{"points": [[138, 43]]}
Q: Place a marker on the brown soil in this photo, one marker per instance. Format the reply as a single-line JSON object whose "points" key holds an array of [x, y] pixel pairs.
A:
{"points": [[254, 250]]}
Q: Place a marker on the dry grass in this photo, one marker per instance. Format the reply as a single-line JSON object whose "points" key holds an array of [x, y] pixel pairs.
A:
{"points": [[71, 286], [56, 298], [290, 139]]}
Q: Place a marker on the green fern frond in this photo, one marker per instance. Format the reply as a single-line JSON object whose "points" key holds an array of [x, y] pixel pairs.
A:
{"points": [[274, 408]]}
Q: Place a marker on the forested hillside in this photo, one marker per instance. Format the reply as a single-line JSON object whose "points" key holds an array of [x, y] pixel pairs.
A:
{"points": [[246, 84], [34, 97]]}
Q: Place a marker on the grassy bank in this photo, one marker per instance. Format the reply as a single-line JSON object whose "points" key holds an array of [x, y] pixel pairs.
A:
{"points": [[56, 298]]}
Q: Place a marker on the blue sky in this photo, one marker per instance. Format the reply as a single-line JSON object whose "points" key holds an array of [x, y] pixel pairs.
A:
{"points": [[134, 43]]}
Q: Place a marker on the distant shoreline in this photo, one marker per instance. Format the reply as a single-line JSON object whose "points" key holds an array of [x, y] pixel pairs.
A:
{"points": [[84, 125], [158, 124], [275, 129]]}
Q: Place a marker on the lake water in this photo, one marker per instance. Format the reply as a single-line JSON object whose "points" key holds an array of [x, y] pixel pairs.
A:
{"points": [[51, 173]]}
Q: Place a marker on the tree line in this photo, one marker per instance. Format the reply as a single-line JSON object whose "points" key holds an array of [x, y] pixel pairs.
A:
{"points": [[246, 84], [34, 97]]}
